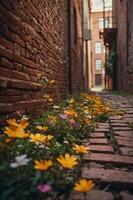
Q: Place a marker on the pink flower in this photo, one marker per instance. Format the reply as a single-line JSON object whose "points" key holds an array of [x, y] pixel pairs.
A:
{"points": [[44, 188], [64, 116]]}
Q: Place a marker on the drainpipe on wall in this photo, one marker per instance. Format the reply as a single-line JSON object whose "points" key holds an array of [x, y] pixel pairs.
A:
{"points": [[69, 49], [86, 38]]}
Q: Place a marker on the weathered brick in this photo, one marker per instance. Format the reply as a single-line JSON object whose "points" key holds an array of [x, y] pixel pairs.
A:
{"points": [[98, 141], [127, 143], [127, 151], [126, 196], [119, 125], [102, 130], [3, 82], [117, 178], [92, 195], [97, 135], [122, 128], [124, 133], [101, 149], [109, 158]]}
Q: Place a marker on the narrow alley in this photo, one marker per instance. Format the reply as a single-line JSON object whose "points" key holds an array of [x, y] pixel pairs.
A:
{"points": [[66, 99]]}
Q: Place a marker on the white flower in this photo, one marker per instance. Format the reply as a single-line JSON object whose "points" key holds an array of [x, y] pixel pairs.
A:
{"points": [[56, 107], [20, 161]]}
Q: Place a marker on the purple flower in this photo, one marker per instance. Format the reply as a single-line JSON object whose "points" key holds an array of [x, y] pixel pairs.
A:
{"points": [[64, 116], [73, 123], [44, 188]]}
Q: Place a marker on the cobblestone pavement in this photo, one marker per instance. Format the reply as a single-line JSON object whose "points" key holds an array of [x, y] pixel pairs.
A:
{"points": [[110, 163]]}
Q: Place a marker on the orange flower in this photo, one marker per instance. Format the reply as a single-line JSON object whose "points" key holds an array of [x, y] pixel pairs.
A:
{"points": [[42, 128], [81, 149], [15, 132], [83, 185], [43, 165], [67, 161]]}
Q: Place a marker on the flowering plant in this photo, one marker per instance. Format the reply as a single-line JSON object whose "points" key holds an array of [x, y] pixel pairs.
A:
{"points": [[43, 155]]}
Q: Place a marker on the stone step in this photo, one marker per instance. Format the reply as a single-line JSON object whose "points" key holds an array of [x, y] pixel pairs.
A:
{"points": [[91, 195], [126, 151], [128, 134], [101, 149], [98, 141], [116, 178], [122, 128], [119, 125], [102, 130], [97, 135], [116, 160]]}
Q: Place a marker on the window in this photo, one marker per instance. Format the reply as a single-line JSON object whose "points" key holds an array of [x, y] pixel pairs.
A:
{"points": [[98, 47], [98, 64], [101, 23]]}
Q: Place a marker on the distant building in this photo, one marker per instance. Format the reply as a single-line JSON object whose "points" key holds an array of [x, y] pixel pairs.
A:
{"points": [[101, 17]]}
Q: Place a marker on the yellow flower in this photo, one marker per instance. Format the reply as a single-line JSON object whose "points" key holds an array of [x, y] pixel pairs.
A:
{"points": [[43, 165], [37, 138], [12, 122], [83, 185], [47, 138], [71, 112], [22, 123], [67, 161], [81, 149], [15, 132], [71, 101], [52, 120], [86, 120], [42, 128]]}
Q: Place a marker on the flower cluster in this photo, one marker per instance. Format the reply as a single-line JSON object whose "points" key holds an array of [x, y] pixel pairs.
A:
{"points": [[45, 155]]}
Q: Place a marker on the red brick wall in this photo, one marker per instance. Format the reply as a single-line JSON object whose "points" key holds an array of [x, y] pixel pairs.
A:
{"points": [[33, 37], [124, 19]]}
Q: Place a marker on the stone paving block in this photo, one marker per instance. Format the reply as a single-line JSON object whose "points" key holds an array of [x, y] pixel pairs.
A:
{"points": [[124, 138], [125, 143], [101, 148], [122, 128], [126, 196], [98, 141], [128, 134], [116, 160], [117, 178], [129, 120], [127, 151], [92, 195], [97, 135], [128, 115], [117, 121], [116, 117], [129, 112], [103, 124], [119, 125], [104, 130]]}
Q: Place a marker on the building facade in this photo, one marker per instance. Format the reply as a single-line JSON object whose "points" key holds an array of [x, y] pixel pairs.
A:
{"points": [[123, 23], [38, 37], [100, 19]]}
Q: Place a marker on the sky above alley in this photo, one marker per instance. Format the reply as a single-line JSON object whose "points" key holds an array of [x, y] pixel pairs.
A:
{"points": [[97, 5]]}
